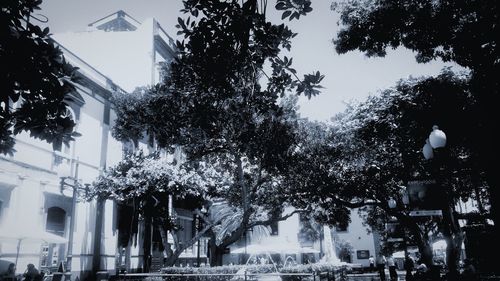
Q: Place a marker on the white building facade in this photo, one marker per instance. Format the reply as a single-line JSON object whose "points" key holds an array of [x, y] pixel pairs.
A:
{"points": [[116, 55], [364, 243]]}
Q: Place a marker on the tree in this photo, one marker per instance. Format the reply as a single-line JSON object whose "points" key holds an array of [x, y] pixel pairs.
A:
{"points": [[344, 250], [143, 184], [35, 80], [213, 106], [374, 148], [457, 31]]}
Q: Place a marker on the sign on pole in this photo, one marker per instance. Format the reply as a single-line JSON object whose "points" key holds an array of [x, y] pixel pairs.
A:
{"points": [[426, 213], [392, 239]]}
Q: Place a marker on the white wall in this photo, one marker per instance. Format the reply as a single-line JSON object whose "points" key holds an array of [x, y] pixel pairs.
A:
{"points": [[359, 238]]}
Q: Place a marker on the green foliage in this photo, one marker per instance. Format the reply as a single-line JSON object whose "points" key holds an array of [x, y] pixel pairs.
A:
{"points": [[310, 181], [322, 270], [311, 267], [138, 175], [214, 107], [463, 32], [344, 249], [217, 273], [293, 8], [34, 80], [381, 140], [310, 230], [146, 182], [220, 271], [369, 152]]}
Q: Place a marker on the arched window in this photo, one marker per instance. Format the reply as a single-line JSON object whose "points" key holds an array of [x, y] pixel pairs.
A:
{"points": [[56, 220]]}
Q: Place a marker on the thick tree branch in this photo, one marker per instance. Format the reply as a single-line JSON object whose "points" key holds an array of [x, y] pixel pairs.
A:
{"points": [[275, 219]]}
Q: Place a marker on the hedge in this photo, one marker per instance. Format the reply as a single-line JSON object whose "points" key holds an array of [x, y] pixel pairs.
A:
{"points": [[322, 272]]}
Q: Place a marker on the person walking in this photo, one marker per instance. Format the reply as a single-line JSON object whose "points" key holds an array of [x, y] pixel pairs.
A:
{"points": [[372, 263], [409, 265], [393, 275], [381, 261]]}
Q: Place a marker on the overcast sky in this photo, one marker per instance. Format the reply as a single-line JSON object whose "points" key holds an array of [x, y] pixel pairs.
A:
{"points": [[348, 77]]}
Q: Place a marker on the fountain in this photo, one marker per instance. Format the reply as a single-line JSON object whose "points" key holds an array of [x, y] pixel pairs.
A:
{"points": [[330, 256], [289, 261]]}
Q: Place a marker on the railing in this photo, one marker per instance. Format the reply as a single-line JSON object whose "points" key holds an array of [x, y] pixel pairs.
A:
{"points": [[314, 276]]}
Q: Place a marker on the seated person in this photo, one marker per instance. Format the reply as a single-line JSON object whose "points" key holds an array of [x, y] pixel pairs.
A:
{"points": [[31, 273], [10, 274]]}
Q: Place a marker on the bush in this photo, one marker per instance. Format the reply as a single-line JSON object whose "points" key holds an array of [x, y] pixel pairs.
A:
{"points": [[261, 268], [323, 271], [227, 273], [218, 272]]}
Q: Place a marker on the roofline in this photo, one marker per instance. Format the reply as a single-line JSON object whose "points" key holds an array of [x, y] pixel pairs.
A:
{"points": [[91, 24], [105, 80]]}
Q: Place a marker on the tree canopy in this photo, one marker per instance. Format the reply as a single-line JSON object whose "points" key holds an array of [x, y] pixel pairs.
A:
{"points": [[371, 151], [464, 32], [34, 80], [224, 111]]}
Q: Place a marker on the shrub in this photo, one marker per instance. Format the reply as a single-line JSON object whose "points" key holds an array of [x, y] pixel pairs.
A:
{"points": [[323, 271], [218, 272], [228, 272]]}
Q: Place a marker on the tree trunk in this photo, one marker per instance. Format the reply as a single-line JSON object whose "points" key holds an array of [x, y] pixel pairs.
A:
{"points": [[425, 250], [216, 252], [454, 237], [167, 248], [423, 244], [173, 256], [146, 243], [486, 87], [493, 180]]}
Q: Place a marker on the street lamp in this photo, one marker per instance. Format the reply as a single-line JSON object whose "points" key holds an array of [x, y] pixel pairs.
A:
{"points": [[392, 203], [437, 138], [405, 198], [68, 180]]}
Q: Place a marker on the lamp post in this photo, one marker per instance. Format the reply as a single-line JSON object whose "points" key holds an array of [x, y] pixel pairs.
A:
{"points": [[67, 180], [436, 142]]}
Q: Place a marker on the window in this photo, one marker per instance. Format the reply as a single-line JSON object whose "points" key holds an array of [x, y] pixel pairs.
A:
{"points": [[363, 254], [186, 231], [55, 256], [44, 257], [274, 228], [56, 220], [341, 228]]}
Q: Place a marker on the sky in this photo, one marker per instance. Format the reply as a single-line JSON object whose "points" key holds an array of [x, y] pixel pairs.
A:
{"points": [[348, 77]]}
